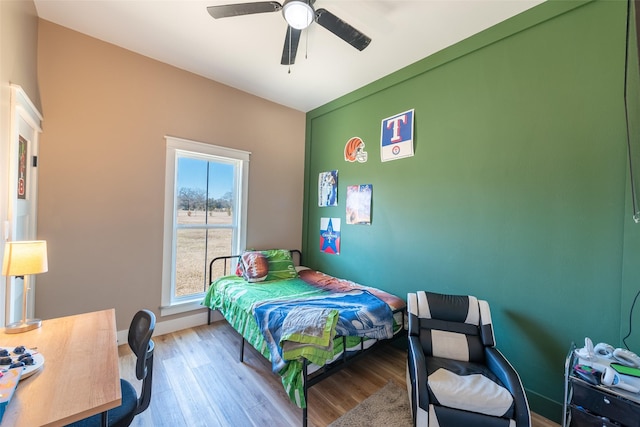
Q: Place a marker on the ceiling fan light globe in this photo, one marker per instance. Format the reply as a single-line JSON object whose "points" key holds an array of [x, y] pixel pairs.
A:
{"points": [[298, 14]]}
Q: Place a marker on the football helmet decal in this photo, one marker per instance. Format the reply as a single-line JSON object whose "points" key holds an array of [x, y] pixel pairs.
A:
{"points": [[354, 150]]}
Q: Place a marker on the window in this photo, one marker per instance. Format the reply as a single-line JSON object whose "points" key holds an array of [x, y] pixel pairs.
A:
{"points": [[205, 217]]}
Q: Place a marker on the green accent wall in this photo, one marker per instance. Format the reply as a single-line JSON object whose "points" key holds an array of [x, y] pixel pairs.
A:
{"points": [[518, 192]]}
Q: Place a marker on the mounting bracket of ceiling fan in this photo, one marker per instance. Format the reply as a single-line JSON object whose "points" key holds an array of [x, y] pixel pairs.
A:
{"points": [[299, 14]]}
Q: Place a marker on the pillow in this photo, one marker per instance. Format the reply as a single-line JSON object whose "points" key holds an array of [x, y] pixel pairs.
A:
{"points": [[254, 266], [280, 264], [265, 266], [475, 393], [460, 379]]}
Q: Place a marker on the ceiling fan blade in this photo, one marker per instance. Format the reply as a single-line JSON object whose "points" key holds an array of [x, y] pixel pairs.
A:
{"points": [[341, 29], [291, 41], [228, 10]]}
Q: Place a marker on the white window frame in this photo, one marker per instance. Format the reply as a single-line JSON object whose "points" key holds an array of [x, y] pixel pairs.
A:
{"points": [[174, 147]]}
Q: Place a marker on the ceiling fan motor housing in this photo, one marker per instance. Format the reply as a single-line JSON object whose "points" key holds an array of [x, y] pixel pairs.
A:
{"points": [[299, 14]]}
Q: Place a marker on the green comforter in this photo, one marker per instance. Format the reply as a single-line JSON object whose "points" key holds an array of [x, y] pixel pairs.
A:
{"points": [[235, 298]]}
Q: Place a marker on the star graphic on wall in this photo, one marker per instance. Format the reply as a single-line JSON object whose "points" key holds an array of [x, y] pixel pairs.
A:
{"points": [[329, 239]]}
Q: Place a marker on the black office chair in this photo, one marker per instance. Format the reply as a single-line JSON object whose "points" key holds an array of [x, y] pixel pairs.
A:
{"points": [[140, 331], [456, 376]]}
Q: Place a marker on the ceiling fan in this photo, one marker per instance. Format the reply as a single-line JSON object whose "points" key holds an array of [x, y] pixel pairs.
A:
{"points": [[299, 14]]}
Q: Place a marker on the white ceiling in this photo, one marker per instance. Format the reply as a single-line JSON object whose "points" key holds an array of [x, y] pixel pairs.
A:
{"points": [[244, 51]]}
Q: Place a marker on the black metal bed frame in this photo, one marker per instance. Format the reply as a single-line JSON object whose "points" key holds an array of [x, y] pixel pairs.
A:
{"points": [[346, 359]]}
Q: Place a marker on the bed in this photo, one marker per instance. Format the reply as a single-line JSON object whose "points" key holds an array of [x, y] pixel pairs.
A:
{"points": [[308, 324]]}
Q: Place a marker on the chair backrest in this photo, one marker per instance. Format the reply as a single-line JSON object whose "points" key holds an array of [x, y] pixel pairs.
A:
{"points": [[451, 326], [140, 332]]}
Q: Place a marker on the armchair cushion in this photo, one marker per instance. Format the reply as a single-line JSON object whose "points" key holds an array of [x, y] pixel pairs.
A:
{"points": [[475, 393], [467, 386]]}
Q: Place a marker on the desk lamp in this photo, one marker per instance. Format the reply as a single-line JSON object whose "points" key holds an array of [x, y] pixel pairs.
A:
{"points": [[22, 258]]}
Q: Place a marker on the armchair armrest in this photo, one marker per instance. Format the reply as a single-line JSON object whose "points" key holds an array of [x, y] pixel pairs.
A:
{"points": [[418, 375], [501, 368]]}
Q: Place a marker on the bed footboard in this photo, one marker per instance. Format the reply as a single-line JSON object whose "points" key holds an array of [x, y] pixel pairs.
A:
{"points": [[345, 360]]}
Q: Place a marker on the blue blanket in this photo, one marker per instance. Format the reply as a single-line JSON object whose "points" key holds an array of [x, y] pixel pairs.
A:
{"points": [[361, 314]]}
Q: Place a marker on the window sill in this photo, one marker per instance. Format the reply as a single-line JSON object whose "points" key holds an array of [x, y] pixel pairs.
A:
{"points": [[182, 307]]}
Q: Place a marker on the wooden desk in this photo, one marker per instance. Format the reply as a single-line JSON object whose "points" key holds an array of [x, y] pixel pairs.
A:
{"points": [[80, 376]]}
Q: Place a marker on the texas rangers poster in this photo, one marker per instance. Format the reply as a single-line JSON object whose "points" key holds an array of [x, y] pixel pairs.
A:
{"points": [[330, 235], [396, 136]]}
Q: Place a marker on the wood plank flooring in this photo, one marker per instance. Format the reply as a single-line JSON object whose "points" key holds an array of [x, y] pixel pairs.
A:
{"points": [[199, 381]]}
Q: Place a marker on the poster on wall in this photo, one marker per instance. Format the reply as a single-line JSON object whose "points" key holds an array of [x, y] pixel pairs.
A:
{"points": [[330, 235], [328, 188], [22, 168], [359, 204], [396, 136], [354, 150]]}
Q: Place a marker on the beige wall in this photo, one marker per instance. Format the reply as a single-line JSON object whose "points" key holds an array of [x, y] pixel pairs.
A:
{"points": [[18, 53], [102, 164]]}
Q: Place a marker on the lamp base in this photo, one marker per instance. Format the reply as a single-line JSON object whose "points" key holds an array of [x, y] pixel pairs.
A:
{"points": [[27, 325]]}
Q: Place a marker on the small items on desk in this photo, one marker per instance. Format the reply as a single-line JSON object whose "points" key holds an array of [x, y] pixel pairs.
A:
{"points": [[8, 382], [28, 359], [608, 377], [594, 396], [626, 370], [608, 366], [612, 379], [588, 374]]}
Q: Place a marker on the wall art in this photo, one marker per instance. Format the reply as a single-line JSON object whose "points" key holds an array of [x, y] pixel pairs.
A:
{"points": [[22, 167], [330, 235], [359, 204], [328, 188], [354, 150], [396, 136]]}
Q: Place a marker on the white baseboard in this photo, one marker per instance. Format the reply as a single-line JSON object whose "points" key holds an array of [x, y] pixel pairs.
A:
{"points": [[178, 324]]}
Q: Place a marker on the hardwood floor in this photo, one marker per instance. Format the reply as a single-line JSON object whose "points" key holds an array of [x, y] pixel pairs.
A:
{"points": [[199, 381]]}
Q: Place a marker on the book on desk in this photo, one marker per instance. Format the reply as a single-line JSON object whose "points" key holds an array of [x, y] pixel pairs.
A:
{"points": [[8, 382]]}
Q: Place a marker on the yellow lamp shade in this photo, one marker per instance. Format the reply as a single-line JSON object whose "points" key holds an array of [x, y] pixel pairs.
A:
{"points": [[25, 257]]}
